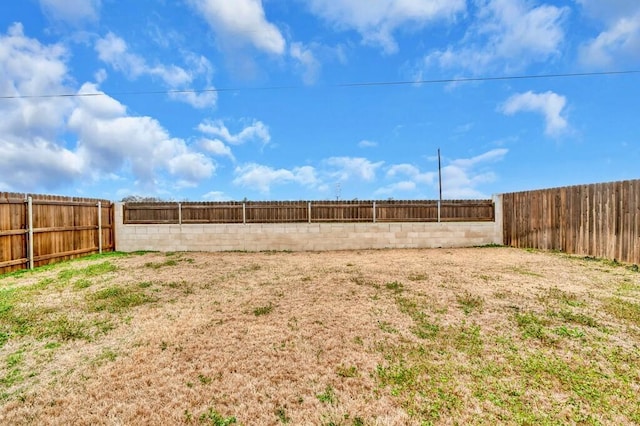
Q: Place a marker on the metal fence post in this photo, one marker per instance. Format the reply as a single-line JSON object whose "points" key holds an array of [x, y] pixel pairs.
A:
{"points": [[30, 230], [439, 211], [100, 227], [244, 213], [309, 211], [179, 213]]}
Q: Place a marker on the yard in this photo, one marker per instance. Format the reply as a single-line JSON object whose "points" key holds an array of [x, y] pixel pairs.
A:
{"points": [[385, 337]]}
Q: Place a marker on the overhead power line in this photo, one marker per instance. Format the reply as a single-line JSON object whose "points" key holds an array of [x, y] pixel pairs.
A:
{"points": [[338, 85]]}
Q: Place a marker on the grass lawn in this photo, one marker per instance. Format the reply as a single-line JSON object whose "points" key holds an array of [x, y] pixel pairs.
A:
{"points": [[384, 337]]}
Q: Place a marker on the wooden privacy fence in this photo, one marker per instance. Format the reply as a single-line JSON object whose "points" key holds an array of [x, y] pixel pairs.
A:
{"points": [[601, 220], [39, 229], [308, 211]]}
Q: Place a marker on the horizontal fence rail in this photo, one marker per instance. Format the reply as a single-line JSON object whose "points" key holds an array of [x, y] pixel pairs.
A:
{"points": [[309, 211], [601, 220], [39, 229]]}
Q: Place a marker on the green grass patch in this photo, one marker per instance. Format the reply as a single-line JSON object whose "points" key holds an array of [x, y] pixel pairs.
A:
{"points": [[328, 396], [263, 310], [469, 302], [347, 372], [623, 309], [423, 327], [395, 286], [116, 299]]}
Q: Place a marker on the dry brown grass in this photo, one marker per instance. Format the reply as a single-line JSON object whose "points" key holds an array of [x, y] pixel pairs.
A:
{"points": [[388, 337]]}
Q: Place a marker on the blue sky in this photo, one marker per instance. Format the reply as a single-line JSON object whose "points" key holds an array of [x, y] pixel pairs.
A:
{"points": [[225, 100]]}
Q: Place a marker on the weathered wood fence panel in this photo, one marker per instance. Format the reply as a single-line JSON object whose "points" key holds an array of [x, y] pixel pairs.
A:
{"points": [[48, 229], [308, 211], [601, 220]]}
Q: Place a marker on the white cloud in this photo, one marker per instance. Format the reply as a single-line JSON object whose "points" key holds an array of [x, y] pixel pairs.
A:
{"points": [[396, 189], [307, 62], [262, 178], [217, 147], [412, 172], [461, 177], [256, 131], [216, 196], [203, 99], [549, 104], [509, 34], [344, 168], [367, 144], [619, 41], [109, 139], [30, 157], [113, 50], [376, 21], [72, 11], [241, 22]]}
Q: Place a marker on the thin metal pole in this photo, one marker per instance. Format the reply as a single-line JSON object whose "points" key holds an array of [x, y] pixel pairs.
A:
{"points": [[439, 184], [30, 229], [309, 211], [179, 213], [244, 213], [100, 227]]}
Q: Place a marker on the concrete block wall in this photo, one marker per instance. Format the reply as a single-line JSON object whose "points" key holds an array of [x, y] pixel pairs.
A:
{"points": [[304, 236]]}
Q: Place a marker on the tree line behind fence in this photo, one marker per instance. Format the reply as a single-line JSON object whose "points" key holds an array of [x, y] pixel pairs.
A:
{"points": [[309, 212], [39, 229]]}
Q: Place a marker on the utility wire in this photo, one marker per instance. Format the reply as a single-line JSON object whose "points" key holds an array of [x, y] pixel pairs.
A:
{"points": [[338, 85]]}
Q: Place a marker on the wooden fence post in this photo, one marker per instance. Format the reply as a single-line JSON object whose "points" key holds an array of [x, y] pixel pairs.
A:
{"points": [[100, 227], [374, 212], [30, 230]]}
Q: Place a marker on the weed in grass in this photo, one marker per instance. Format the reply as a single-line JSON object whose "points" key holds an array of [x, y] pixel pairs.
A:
{"points": [[328, 396], [13, 373], [82, 283], [213, 418], [469, 340], [532, 326], [158, 265], [94, 270], [145, 284], [578, 318], [250, 268], [423, 328], [52, 345], [263, 310], [347, 372], [387, 327], [469, 302], [418, 277], [281, 414], [395, 286], [65, 329], [564, 331], [107, 355], [562, 296], [623, 309], [116, 299], [526, 272], [627, 287], [204, 380]]}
